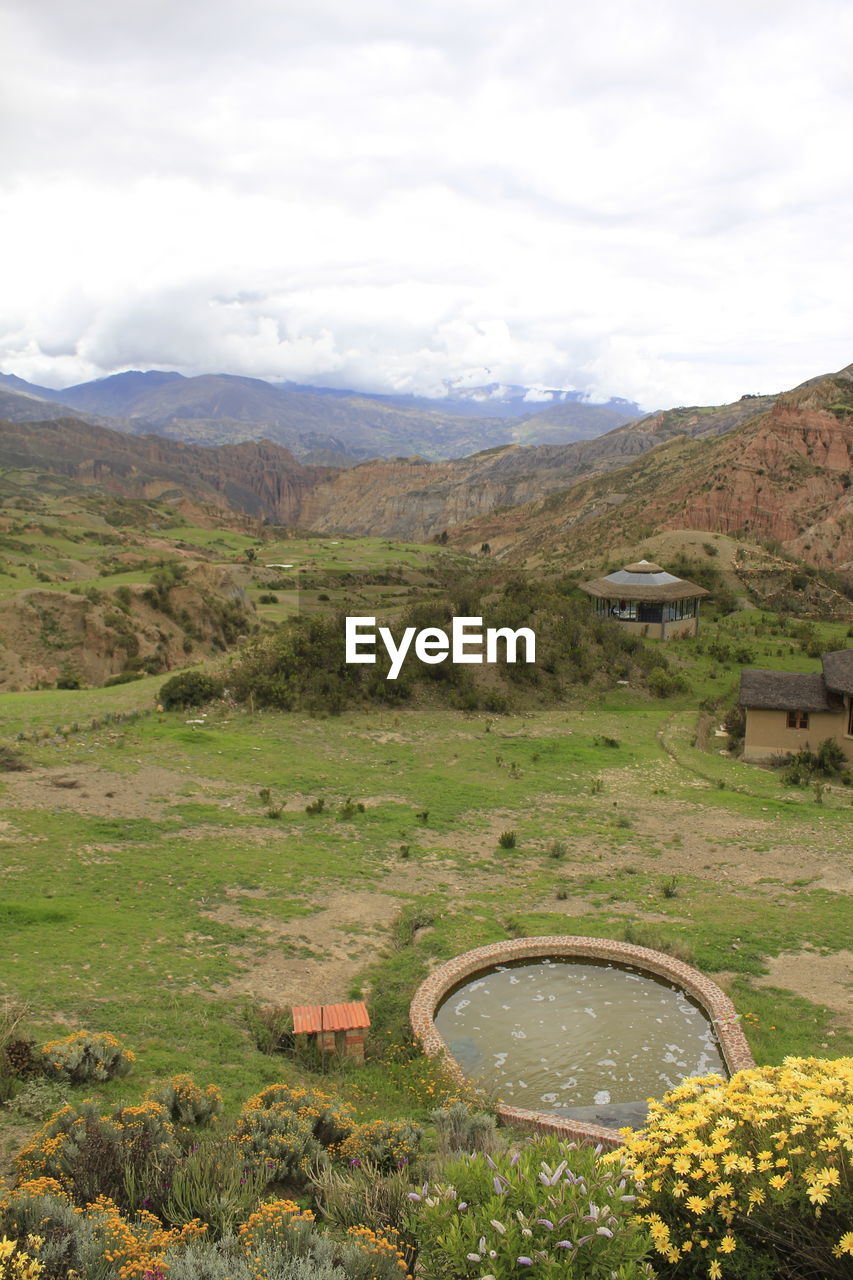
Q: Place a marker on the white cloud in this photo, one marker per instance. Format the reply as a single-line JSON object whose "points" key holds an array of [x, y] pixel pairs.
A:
{"points": [[641, 199]]}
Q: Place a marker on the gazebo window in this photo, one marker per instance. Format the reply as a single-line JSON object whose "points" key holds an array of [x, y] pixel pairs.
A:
{"points": [[798, 719], [678, 609], [624, 609]]}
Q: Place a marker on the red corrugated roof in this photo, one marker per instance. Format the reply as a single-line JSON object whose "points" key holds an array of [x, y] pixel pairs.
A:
{"points": [[330, 1017]]}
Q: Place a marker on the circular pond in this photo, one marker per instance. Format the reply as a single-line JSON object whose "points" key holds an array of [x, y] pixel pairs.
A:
{"points": [[585, 1039]]}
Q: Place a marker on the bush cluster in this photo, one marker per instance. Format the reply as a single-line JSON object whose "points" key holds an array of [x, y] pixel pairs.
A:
{"points": [[751, 1177], [283, 1132], [550, 1206], [84, 1056], [301, 665]]}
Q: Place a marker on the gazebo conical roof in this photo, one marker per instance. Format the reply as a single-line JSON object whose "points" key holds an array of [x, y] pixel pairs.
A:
{"points": [[643, 580], [644, 566]]}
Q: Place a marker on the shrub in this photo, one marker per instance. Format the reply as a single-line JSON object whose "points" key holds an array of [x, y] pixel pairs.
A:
{"points": [[363, 1195], [751, 1177], [831, 759], [14, 1052], [212, 1183], [507, 840], [386, 1144], [189, 689], [11, 760], [38, 1099], [271, 1027], [281, 1131], [128, 1155], [86, 1055], [186, 1103], [458, 1128], [280, 1232], [96, 1242], [551, 1206], [734, 723]]}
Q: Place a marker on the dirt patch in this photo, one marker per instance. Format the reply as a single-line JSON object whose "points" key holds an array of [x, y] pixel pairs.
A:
{"points": [[96, 792], [344, 932], [822, 979]]}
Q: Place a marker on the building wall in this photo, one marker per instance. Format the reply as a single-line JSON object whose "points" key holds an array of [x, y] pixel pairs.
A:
{"points": [[767, 733], [681, 627], [661, 630]]}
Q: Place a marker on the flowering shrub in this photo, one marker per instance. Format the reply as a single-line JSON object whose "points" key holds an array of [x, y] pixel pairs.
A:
{"points": [[280, 1230], [186, 1103], [283, 1131], [277, 1144], [551, 1206], [17, 1263], [280, 1224], [85, 1055], [95, 1243], [383, 1257], [751, 1177], [128, 1155], [386, 1144]]}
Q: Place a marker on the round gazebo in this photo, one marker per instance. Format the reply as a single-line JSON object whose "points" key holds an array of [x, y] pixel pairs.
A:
{"points": [[644, 598]]}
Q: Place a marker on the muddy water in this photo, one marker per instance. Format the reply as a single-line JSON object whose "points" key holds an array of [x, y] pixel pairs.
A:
{"points": [[585, 1039]]}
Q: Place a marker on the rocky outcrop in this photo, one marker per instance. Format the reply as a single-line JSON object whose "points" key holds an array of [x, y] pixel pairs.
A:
{"points": [[260, 479]]}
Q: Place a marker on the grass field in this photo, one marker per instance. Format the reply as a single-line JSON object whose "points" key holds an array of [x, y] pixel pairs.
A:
{"points": [[148, 888]]}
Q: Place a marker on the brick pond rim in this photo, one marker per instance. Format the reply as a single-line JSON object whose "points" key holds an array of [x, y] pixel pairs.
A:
{"points": [[711, 998]]}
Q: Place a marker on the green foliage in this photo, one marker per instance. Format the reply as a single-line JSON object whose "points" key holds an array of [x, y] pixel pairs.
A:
{"points": [[550, 1206], [185, 1103], [507, 840], [384, 1144], [459, 1129], [270, 1026], [363, 1195], [282, 1131], [804, 767], [190, 689], [664, 684], [86, 1055], [213, 1184], [128, 1155], [734, 723]]}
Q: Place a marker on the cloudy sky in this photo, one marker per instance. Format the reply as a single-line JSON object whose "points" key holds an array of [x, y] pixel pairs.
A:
{"points": [[645, 198]]}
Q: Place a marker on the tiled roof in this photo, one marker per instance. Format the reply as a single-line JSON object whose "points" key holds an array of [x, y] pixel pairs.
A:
{"points": [[330, 1017]]}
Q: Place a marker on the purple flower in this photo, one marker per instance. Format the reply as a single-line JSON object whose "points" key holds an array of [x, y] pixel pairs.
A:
{"points": [[605, 1231], [525, 1262], [355, 1162]]}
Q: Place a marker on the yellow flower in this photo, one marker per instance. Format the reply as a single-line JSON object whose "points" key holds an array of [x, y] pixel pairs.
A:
{"points": [[845, 1244], [715, 1270], [728, 1244]]}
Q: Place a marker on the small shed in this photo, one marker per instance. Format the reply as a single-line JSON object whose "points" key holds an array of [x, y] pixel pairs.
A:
{"points": [[644, 598], [339, 1028]]}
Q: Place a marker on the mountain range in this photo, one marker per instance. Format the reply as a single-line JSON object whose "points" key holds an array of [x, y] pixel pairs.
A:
{"points": [[320, 425], [774, 467]]}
